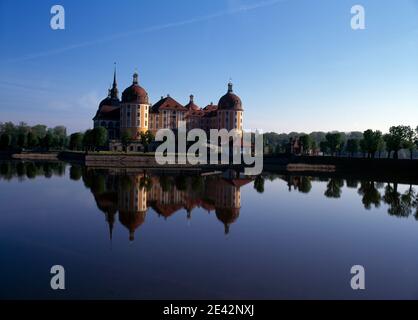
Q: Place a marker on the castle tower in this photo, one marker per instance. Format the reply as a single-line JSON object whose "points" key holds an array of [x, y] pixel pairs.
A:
{"points": [[134, 111]]}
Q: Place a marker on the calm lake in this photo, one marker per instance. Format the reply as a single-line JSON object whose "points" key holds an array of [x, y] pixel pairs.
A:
{"points": [[158, 235]]}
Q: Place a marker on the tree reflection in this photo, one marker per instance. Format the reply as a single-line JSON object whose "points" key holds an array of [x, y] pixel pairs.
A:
{"points": [[259, 184], [334, 188], [371, 196], [400, 205]]}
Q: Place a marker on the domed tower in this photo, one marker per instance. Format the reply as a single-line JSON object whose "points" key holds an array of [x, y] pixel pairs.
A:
{"points": [[132, 203], [134, 111], [107, 115], [230, 111]]}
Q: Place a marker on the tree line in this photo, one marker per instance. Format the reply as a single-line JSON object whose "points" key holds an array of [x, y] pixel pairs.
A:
{"points": [[369, 143], [40, 137]]}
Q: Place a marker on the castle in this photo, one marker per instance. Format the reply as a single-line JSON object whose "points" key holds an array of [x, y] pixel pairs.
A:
{"points": [[134, 114]]}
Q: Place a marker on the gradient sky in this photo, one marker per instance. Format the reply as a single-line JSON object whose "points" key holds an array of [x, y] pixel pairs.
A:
{"points": [[296, 64]]}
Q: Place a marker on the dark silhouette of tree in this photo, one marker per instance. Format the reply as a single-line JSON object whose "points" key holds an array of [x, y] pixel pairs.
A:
{"points": [[334, 188], [305, 185], [88, 140], [323, 146], [47, 141], [371, 196], [334, 142], [76, 141], [306, 143], [410, 140], [371, 141], [31, 170], [21, 140], [352, 146], [259, 184], [352, 183], [5, 141], [396, 140], [32, 140], [399, 205], [76, 172]]}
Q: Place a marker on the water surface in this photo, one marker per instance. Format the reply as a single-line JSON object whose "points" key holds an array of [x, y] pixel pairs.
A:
{"points": [[159, 235]]}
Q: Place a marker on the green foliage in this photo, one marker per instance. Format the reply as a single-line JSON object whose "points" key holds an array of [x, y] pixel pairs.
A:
{"points": [[76, 141], [21, 140], [352, 146], [306, 142], [334, 141], [48, 140], [323, 146], [24, 136], [370, 142], [88, 140], [99, 137], [146, 139], [32, 140], [125, 138], [5, 141], [398, 137]]}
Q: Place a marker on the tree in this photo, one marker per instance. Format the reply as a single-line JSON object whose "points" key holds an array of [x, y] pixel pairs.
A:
{"points": [[32, 140], [371, 141], [88, 140], [381, 147], [259, 184], [334, 141], [146, 139], [76, 141], [352, 146], [47, 141], [323, 146], [99, 137], [125, 138], [5, 141], [306, 143], [410, 140], [21, 140], [396, 139]]}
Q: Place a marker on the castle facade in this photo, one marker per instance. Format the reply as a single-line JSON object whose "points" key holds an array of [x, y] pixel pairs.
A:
{"points": [[134, 114]]}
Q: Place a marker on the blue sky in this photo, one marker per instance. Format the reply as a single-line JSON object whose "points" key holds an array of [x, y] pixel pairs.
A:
{"points": [[296, 64]]}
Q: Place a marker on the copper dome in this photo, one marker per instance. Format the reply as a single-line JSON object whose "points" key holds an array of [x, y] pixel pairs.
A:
{"points": [[230, 101], [135, 93]]}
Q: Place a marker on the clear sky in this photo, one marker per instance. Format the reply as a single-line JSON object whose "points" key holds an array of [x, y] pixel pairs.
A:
{"points": [[296, 64]]}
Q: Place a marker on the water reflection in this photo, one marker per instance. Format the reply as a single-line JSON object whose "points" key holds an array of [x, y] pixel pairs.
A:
{"points": [[131, 195], [372, 193]]}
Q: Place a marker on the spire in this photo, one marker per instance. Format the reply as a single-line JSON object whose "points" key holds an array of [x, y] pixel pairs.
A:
{"points": [[191, 98], [135, 77], [114, 77], [114, 92], [230, 85]]}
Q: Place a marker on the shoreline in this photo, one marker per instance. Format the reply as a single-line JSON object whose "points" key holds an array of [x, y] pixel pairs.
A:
{"points": [[292, 164]]}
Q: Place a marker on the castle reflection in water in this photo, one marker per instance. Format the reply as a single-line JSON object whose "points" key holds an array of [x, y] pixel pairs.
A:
{"points": [[131, 195], [128, 196]]}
